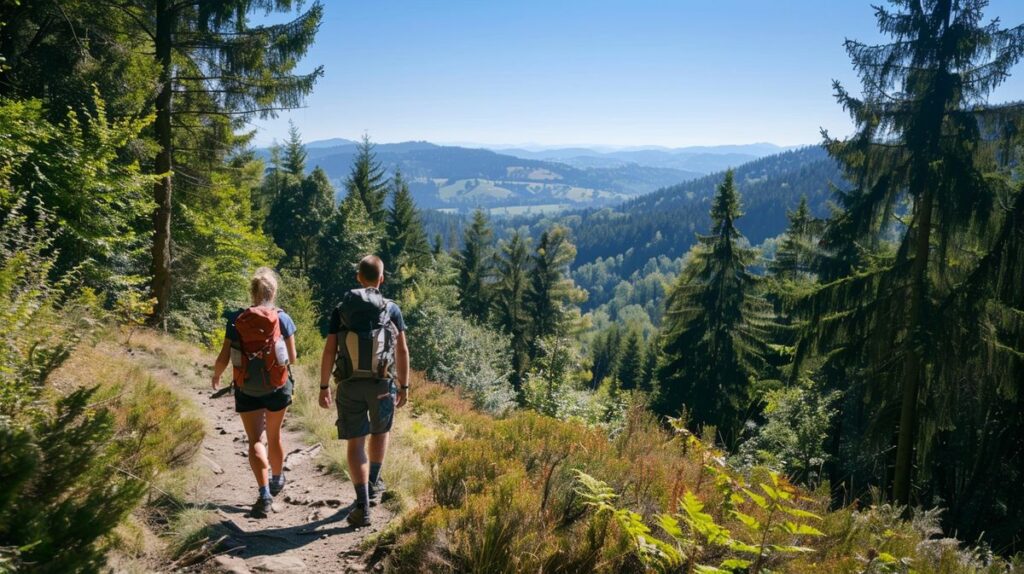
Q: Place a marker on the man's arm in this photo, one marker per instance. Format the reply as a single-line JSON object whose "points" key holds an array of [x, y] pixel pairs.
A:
{"points": [[402, 366], [327, 368]]}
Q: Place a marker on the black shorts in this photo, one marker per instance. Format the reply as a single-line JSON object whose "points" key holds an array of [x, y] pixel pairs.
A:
{"points": [[273, 402], [365, 407]]}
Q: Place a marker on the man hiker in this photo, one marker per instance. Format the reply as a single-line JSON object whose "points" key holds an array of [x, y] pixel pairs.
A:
{"points": [[365, 353]]}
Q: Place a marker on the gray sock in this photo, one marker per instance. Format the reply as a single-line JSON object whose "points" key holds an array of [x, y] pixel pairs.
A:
{"points": [[362, 494], [375, 471]]}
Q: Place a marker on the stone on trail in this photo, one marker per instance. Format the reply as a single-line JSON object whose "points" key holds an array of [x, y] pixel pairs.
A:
{"points": [[279, 564], [230, 565]]}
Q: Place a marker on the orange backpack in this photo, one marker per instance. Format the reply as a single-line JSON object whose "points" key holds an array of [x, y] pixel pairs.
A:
{"points": [[260, 356]]}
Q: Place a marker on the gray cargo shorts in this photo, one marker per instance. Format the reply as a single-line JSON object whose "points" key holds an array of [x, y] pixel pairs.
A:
{"points": [[365, 407]]}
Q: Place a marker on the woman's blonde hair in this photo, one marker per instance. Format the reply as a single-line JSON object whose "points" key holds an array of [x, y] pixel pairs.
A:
{"points": [[263, 286]]}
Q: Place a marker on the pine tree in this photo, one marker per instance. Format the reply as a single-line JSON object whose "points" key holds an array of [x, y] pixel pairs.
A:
{"points": [[213, 64], [648, 383], [294, 153], [368, 181], [301, 205], [405, 244], [476, 264], [605, 355], [510, 312], [715, 329], [349, 236], [797, 248], [925, 134], [631, 366], [551, 291]]}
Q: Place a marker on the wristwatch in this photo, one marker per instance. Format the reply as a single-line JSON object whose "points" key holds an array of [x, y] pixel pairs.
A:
{"points": [[404, 387], [322, 388]]}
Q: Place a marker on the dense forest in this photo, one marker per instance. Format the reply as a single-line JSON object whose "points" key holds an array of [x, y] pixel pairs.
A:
{"points": [[844, 319]]}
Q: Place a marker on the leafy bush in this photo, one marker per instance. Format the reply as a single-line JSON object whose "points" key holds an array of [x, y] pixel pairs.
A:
{"points": [[454, 351], [218, 249], [554, 387], [792, 440], [97, 203], [296, 298]]}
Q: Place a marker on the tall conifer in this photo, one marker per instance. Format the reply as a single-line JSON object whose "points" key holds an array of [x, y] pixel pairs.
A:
{"points": [[405, 246], [926, 140], [510, 312], [476, 265], [715, 329]]}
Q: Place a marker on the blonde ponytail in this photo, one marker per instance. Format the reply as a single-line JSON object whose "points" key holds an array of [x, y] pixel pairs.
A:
{"points": [[263, 286]]}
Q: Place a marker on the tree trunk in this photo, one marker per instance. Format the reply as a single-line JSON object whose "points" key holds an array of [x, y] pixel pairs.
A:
{"points": [[912, 367], [161, 252]]}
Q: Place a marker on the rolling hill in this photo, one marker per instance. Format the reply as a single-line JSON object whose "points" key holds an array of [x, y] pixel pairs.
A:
{"points": [[650, 232], [460, 179]]}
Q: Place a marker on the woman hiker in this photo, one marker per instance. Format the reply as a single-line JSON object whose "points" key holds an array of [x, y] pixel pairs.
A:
{"points": [[259, 344]]}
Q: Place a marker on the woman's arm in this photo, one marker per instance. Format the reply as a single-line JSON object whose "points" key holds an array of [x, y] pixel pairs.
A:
{"points": [[290, 343], [222, 362]]}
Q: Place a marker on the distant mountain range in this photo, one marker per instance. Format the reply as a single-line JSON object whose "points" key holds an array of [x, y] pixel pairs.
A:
{"points": [[702, 159], [520, 181]]}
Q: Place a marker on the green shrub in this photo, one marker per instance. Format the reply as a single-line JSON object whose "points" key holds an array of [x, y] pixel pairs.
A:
{"points": [[296, 298], [792, 440], [458, 353], [462, 467], [76, 460]]}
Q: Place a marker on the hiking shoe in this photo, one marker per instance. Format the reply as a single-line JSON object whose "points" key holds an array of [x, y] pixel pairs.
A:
{"points": [[263, 506], [276, 486], [359, 516], [377, 490]]}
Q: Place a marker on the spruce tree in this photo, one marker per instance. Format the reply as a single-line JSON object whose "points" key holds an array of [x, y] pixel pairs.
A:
{"points": [[797, 248], [476, 267], [405, 246], [510, 312], [349, 236], [368, 181], [715, 328], [648, 383], [605, 355], [294, 153], [214, 68], [551, 292], [927, 141], [631, 366]]}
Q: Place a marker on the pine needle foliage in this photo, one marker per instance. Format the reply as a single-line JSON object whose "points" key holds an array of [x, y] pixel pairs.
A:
{"points": [[928, 202], [716, 331]]}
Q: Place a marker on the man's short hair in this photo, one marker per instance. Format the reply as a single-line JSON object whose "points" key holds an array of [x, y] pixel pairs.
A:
{"points": [[370, 268]]}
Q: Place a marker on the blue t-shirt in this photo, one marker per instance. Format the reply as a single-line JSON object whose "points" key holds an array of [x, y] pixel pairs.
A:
{"points": [[285, 322]]}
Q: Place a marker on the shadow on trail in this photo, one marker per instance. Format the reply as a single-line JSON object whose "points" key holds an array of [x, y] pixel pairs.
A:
{"points": [[271, 541]]}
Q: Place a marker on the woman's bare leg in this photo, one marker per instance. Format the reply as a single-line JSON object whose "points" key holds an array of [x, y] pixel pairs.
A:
{"points": [[274, 444], [254, 423]]}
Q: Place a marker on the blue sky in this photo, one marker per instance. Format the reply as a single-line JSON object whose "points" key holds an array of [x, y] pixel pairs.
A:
{"points": [[590, 72]]}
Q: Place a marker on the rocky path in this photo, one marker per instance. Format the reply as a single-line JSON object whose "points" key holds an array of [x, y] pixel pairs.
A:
{"points": [[307, 534]]}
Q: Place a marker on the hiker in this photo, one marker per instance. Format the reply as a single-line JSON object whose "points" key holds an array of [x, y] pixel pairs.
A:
{"points": [[365, 353], [259, 344]]}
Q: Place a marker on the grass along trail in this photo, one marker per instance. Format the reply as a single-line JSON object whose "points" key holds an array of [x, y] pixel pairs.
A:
{"points": [[308, 532]]}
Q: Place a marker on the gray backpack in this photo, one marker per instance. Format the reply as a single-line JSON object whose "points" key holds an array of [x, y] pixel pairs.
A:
{"points": [[366, 338]]}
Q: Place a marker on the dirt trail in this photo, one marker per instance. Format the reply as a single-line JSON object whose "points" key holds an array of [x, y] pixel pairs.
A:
{"points": [[308, 532]]}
